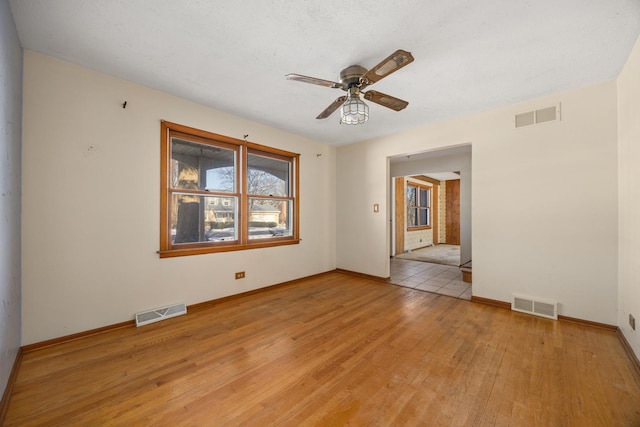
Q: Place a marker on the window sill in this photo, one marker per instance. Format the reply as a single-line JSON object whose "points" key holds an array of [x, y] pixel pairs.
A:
{"points": [[200, 250]]}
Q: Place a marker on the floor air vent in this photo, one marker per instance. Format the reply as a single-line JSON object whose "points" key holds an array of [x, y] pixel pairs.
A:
{"points": [[157, 314], [539, 307]]}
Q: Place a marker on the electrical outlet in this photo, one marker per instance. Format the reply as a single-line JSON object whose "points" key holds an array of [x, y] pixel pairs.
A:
{"points": [[632, 322], [240, 275]]}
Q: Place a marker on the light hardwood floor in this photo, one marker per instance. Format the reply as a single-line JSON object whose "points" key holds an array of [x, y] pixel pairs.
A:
{"points": [[334, 350]]}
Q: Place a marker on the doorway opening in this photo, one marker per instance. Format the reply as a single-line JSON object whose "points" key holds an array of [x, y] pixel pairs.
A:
{"points": [[431, 221]]}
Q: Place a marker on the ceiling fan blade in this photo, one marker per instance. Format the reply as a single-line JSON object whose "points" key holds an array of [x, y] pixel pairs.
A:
{"points": [[331, 108], [385, 100], [394, 62], [312, 80]]}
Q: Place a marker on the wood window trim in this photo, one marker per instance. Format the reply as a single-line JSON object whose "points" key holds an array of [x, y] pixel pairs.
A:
{"points": [[169, 249], [419, 227]]}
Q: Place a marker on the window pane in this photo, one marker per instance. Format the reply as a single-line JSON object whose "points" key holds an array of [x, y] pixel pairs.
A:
{"points": [[203, 218], [411, 196], [424, 197], [424, 216], [269, 218], [268, 176], [202, 167], [412, 217]]}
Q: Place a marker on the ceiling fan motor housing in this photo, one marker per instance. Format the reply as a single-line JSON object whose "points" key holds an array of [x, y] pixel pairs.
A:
{"points": [[350, 76]]}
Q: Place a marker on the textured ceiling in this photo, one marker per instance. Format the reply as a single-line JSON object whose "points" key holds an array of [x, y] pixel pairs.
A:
{"points": [[469, 55]]}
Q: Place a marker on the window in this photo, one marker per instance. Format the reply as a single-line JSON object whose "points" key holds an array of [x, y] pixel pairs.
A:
{"points": [[222, 194], [418, 206]]}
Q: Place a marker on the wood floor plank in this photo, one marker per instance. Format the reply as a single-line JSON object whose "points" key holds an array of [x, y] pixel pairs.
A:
{"points": [[334, 350]]}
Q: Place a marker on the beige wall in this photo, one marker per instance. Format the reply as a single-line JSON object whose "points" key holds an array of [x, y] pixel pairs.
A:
{"points": [[91, 204], [629, 196], [533, 198]]}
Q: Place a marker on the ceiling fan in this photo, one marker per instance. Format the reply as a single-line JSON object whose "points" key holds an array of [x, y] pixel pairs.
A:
{"points": [[353, 80]]}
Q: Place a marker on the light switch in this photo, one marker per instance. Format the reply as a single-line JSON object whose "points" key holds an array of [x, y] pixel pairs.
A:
{"points": [[376, 208]]}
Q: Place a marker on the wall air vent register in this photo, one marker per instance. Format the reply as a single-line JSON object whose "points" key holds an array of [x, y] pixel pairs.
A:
{"points": [[536, 306], [162, 313], [542, 115]]}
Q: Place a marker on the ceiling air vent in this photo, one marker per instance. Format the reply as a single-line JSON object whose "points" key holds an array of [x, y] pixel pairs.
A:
{"points": [[548, 114], [537, 306]]}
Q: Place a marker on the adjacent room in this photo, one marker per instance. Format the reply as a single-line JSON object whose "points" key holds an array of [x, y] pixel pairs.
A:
{"points": [[208, 210]]}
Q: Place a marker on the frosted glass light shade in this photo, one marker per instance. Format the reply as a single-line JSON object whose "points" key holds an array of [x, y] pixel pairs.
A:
{"points": [[354, 111]]}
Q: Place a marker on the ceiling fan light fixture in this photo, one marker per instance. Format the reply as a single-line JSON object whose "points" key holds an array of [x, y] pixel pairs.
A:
{"points": [[354, 111]]}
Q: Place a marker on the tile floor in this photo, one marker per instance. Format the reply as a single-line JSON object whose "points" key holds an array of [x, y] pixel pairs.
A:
{"points": [[425, 276]]}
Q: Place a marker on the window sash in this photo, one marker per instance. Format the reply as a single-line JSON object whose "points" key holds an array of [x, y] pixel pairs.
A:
{"points": [[198, 219], [270, 218], [203, 165], [268, 175]]}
